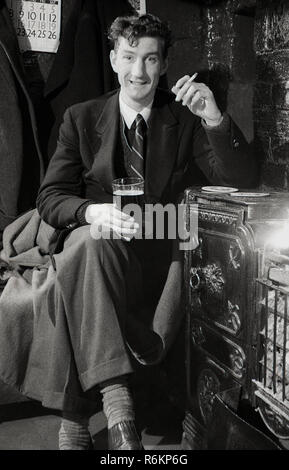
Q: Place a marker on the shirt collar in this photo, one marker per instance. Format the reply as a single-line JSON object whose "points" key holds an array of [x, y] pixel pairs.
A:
{"points": [[130, 114]]}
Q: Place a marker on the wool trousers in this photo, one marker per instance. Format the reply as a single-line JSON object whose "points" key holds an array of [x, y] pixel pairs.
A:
{"points": [[98, 317]]}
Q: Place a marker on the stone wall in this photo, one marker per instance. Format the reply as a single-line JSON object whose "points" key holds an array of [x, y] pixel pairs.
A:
{"points": [[271, 102], [231, 60], [214, 38], [241, 49]]}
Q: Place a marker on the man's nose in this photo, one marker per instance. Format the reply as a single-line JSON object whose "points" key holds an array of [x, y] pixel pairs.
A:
{"points": [[138, 69]]}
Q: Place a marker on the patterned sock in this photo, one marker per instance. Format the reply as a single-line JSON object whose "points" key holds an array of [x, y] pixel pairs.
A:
{"points": [[117, 402], [74, 433]]}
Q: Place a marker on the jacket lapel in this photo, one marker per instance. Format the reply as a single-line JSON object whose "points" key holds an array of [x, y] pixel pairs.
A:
{"points": [[161, 149], [104, 137]]}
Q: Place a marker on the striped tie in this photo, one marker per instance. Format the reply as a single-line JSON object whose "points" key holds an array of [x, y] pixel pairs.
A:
{"points": [[136, 162]]}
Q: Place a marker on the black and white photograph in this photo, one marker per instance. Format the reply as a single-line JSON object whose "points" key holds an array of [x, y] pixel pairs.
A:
{"points": [[144, 229]]}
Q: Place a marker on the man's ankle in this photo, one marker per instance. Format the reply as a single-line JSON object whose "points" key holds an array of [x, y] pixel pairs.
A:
{"points": [[74, 433], [118, 404]]}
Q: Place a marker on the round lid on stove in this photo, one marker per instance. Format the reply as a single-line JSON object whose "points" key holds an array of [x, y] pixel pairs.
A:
{"points": [[219, 189], [250, 194]]}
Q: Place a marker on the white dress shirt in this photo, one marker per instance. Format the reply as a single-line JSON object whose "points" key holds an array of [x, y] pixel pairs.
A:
{"points": [[130, 114]]}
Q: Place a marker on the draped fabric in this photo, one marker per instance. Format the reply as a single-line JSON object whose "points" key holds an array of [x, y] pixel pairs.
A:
{"points": [[48, 347]]}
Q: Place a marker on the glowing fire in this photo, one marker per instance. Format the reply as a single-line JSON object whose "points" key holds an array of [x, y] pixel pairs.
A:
{"points": [[280, 238]]}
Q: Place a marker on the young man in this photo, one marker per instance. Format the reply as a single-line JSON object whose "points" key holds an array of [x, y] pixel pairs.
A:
{"points": [[93, 314]]}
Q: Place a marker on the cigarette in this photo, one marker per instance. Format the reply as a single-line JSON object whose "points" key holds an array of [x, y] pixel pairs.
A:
{"points": [[193, 77], [176, 88]]}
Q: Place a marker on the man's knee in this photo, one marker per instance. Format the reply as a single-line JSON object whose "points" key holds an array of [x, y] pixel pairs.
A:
{"points": [[82, 239]]}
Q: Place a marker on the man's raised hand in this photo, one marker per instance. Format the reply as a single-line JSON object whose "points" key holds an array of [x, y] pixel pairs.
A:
{"points": [[198, 98]]}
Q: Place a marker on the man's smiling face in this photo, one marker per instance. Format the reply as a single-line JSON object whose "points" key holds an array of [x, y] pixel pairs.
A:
{"points": [[138, 68]]}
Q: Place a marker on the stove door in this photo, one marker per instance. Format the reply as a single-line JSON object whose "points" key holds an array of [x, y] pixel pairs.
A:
{"points": [[221, 281]]}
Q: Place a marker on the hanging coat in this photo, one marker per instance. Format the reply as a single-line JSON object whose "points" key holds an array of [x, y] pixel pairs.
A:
{"points": [[21, 163]]}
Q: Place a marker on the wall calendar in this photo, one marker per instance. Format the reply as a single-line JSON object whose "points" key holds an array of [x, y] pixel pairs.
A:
{"points": [[37, 23]]}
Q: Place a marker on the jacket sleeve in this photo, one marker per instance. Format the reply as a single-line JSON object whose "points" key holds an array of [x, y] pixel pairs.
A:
{"points": [[224, 155], [60, 195]]}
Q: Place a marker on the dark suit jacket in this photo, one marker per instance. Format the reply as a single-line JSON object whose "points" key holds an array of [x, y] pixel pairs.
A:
{"points": [[179, 153]]}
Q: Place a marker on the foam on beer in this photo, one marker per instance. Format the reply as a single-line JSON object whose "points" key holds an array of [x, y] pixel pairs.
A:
{"points": [[128, 192]]}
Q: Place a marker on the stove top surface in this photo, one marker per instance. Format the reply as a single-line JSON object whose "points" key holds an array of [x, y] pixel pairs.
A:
{"points": [[259, 204]]}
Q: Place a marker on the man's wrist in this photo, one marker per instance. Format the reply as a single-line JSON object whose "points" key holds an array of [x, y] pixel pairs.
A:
{"points": [[215, 122], [80, 214], [88, 213]]}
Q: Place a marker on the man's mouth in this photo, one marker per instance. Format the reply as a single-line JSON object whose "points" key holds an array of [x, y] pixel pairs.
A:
{"points": [[137, 83]]}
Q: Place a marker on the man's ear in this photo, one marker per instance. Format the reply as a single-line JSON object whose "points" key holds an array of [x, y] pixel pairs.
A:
{"points": [[112, 57], [164, 67]]}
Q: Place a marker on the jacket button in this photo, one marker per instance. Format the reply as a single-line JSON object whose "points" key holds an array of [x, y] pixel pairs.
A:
{"points": [[236, 143]]}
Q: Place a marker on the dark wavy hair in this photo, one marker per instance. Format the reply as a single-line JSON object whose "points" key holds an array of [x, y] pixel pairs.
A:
{"points": [[135, 27]]}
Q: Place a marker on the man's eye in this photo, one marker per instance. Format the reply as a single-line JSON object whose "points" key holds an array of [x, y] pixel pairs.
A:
{"points": [[153, 60], [127, 57]]}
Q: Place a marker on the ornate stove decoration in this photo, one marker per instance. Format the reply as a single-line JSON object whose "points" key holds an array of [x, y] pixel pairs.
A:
{"points": [[208, 386], [235, 253], [217, 217], [210, 277], [197, 335], [195, 278], [199, 250], [214, 279], [237, 358], [277, 423], [233, 318]]}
